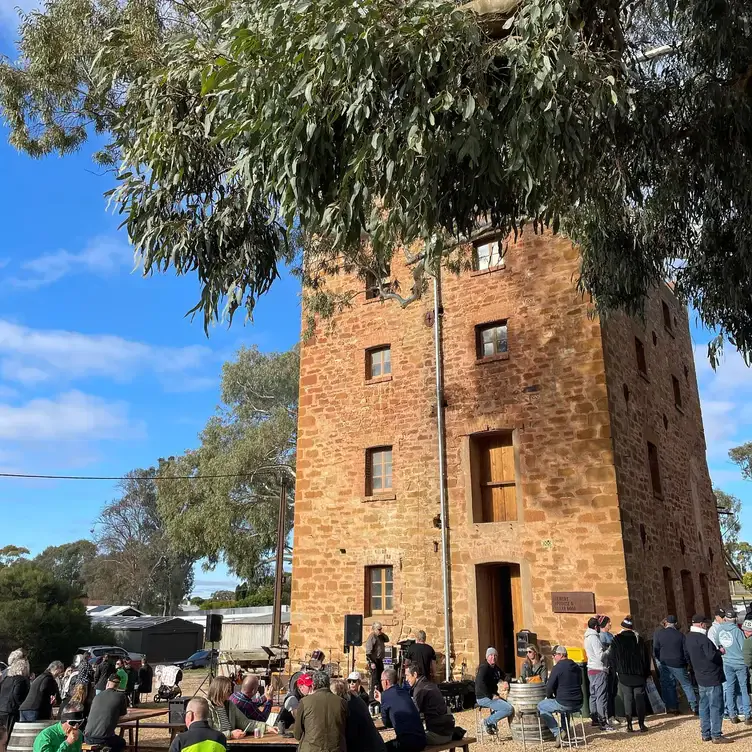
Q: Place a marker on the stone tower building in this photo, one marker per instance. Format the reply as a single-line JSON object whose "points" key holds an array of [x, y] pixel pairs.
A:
{"points": [[575, 464]]}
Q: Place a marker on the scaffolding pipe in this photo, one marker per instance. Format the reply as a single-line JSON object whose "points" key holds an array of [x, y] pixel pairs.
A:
{"points": [[437, 313]]}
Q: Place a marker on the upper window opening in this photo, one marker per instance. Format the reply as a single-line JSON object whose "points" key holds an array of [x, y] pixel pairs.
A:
{"points": [[488, 255], [491, 339], [677, 391], [642, 364], [667, 316], [372, 282], [494, 477], [378, 470], [655, 470], [378, 362]]}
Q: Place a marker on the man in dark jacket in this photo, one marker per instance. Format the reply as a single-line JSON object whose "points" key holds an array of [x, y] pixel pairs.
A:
{"points": [[145, 679], [104, 671], [200, 736], [105, 712], [707, 664], [431, 705], [43, 693], [321, 718], [630, 658], [563, 691], [669, 653], [487, 691], [398, 711]]}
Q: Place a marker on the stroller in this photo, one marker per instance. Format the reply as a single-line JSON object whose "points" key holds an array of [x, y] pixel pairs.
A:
{"points": [[168, 680]]}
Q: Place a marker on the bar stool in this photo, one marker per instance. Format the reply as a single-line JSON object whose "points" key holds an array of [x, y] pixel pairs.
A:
{"points": [[481, 729], [521, 715], [575, 736]]}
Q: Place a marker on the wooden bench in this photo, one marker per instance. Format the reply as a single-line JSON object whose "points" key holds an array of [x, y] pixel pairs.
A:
{"points": [[174, 728], [463, 744]]}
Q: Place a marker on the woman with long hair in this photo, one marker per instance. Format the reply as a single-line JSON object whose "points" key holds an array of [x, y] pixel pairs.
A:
{"points": [[534, 665], [13, 690], [225, 716]]}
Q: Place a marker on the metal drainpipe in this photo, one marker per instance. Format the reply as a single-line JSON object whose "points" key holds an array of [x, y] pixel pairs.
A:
{"points": [[442, 464]]}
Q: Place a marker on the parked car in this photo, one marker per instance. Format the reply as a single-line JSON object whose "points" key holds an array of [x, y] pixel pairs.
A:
{"points": [[98, 651], [200, 659]]}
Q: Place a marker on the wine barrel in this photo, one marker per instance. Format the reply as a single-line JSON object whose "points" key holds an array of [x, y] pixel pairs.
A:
{"points": [[524, 698], [23, 735]]}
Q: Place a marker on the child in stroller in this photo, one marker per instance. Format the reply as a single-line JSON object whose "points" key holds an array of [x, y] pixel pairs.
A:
{"points": [[168, 680]]}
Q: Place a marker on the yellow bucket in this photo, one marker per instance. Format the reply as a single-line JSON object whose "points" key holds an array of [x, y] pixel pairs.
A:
{"points": [[578, 655]]}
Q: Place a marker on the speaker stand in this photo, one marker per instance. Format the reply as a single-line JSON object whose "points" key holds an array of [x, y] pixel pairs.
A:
{"points": [[211, 674]]}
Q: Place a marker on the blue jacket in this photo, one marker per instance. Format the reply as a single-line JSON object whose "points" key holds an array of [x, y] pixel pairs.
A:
{"points": [[731, 638], [668, 647], [565, 683], [398, 711]]}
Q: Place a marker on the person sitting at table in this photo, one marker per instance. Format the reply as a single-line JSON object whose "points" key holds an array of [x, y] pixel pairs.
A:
{"points": [[355, 686], [64, 735], [321, 719], [398, 711], [200, 736], [534, 666], [105, 713], [360, 732], [226, 717], [302, 687], [563, 692], [487, 691], [78, 698], [431, 705], [250, 706]]}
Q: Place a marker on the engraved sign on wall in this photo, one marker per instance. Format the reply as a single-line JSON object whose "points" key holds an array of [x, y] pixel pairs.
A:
{"points": [[573, 603]]}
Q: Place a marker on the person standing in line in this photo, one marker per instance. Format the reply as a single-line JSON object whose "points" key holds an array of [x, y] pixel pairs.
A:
{"points": [[375, 653], [670, 655], [13, 690], [631, 660], [321, 719], [735, 691], [707, 665], [605, 625], [487, 691], [104, 671], [423, 655], [718, 617], [597, 676], [145, 680], [43, 693]]}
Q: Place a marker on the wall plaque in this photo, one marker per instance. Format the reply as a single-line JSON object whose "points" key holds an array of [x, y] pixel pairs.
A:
{"points": [[573, 603]]}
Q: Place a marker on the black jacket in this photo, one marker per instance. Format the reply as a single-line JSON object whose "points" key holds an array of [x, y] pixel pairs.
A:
{"points": [[487, 680], [565, 684], [200, 737], [102, 674], [668, 647], [360, 732], [145, 679], [13, 691], [398, 711], [42, 689], [432, 706], [705, 658], [629, 655]]}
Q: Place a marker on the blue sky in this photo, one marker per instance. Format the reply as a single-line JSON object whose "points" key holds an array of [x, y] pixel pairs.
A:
{"points": [[100, 372]]}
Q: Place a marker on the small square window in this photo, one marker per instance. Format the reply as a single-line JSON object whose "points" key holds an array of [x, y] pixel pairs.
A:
{"points": [[378, 470], [488, 255], [642, 364], [378, 362], [655, 470], [677, 392], [491, 339], [372, 284], [379, 590], [667, 316]]}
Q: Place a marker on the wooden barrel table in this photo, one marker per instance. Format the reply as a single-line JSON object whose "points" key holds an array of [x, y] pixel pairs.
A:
{"points": [[524, 698], [23, 735]]}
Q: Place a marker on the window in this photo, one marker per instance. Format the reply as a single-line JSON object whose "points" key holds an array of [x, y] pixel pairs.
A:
{"points": [[494, 477], [642, 364], [378, 362], [378, 470], [705, 591], [379, 590], [491, 339], [372, 284], [667, 317], [655, 471], [488, 255], [688, 593], [677, 392], [668, 588]]}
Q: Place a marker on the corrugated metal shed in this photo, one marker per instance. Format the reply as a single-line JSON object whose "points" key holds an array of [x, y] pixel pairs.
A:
{"points": [[250, 633]]}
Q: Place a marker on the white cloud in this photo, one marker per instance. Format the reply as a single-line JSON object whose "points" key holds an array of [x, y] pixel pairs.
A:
{"points": [[31, 356], [101, 256], [70, 416]]}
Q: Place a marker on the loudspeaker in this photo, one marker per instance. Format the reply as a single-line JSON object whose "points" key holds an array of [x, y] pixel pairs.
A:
{"points": [[213, 628], [354, 629], [177, 709]]}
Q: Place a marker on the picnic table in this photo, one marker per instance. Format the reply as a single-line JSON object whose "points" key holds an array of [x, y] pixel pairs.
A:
{"points": [[131, 722]]}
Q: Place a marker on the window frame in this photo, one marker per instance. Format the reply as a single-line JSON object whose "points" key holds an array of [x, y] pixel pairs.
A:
{"points": [[500, 252], [383, 581], [497, 354], [371, 452], [654, 470], [678, 400], [641, 357], [378, 350], [372, 288], [667, 318]]}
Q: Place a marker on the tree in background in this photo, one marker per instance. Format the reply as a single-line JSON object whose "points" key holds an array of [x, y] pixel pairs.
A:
{"points": [[11, 554], [406, 128], [43, 615], [258, 593], [69, 562], [136, 564], [222, 595], [729, 508], [252, 437]]}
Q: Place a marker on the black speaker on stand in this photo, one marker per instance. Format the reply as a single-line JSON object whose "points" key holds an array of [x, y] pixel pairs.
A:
{"points": [[353, 635], [213, 628]]}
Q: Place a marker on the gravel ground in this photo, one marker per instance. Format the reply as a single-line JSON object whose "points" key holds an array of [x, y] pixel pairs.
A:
{"points": [[666, 732]]}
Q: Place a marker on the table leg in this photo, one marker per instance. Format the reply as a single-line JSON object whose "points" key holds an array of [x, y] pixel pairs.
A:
{"points": [[138, 724]]}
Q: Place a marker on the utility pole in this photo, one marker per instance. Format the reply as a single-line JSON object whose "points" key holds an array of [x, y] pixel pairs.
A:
{"points": [[279, 569]]}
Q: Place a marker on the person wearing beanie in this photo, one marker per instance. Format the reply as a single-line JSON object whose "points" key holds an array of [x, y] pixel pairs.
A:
{"points": [[487, 691], [730, 641], [64, 736], [597, 676], [707, 665], [670, 655], [631, 660]]}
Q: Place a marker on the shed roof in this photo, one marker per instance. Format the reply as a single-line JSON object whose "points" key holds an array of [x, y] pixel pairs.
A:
{"points": [[138, 623]]}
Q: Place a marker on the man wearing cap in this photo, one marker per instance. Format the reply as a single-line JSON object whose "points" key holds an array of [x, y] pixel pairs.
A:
{"points": [[64, 736], [375, 652], [670, 654], [563, 691], [707, 665], [718, 617], [355, 687], [487, 691], [631, 659], [302, 687], [730, 641]]}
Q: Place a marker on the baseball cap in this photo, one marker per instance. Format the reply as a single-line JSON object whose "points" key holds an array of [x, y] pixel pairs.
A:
{"points": [[305, 680], [560, 650], [699, 619], [353, 676], [720, 612], [671, 620], [747, 625]]}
